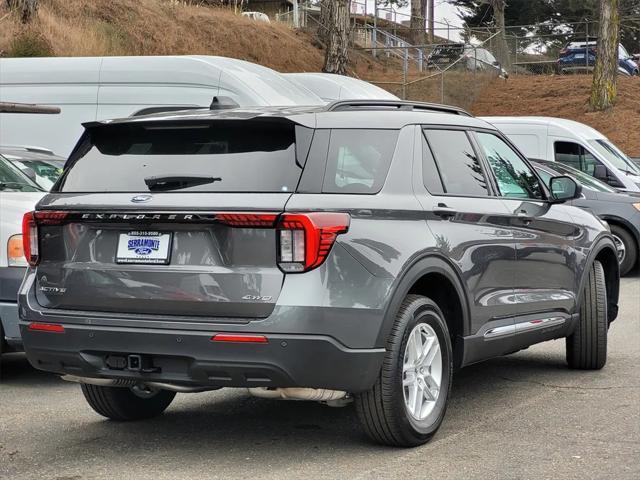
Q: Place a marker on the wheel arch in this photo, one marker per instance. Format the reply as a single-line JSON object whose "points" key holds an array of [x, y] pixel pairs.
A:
{"points": [[435, 277], [623, 223], [604, 251]]}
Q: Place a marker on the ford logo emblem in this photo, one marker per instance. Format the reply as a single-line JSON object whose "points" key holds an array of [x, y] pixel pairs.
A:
{"points": [[141, 198]]}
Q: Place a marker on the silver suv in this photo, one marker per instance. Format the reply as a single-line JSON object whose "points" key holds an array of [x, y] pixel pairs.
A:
{"points": [[361, 251]]}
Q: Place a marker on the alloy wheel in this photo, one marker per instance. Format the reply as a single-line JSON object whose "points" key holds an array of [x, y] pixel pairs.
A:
{"points": [[421, 371]]}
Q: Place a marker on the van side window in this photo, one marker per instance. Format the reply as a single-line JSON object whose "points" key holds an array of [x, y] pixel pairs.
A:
{"points": [[459, 167], [358, 160], [514, 177], [575, 156]]}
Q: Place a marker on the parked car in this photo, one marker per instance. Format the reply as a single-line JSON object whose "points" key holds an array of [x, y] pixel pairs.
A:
{"points": [[574, 144], [619, 210], [258, 16], [39, 164], [581, 57], [636, 161], [330, 87], [18, 194], [375, 247], [95, 88], [468, 56]]}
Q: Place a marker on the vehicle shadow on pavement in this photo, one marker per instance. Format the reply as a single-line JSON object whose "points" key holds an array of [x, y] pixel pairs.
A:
{"points": [[223, 420], [15, 370]]}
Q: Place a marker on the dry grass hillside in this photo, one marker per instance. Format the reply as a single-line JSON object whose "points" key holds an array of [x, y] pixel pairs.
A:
{"points": [[162, 27], [169, 27], [567, 97]]}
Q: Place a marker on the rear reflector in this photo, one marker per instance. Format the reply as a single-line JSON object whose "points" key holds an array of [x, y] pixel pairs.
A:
{"points": [[239, 338], [46, 327]]}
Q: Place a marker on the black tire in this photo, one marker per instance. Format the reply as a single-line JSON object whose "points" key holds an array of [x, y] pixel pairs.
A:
{"points": [[631, 250], [587, 346], [122, 404], [382, 410]]}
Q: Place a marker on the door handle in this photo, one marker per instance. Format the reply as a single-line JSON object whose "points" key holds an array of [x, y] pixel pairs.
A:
{"points": [[524, 218], [441, 210]]}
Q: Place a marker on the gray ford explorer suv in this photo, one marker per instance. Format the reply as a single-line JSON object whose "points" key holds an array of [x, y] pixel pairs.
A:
{"points": [[362, 250]]}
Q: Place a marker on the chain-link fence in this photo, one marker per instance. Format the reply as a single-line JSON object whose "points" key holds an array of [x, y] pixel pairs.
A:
{"points": [[453, 64], [452, 73]]}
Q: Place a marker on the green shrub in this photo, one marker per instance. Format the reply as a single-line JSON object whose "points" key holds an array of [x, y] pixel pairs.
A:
{"points": [[30, 44]]}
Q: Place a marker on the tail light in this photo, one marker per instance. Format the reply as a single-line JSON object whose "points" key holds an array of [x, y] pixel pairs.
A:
{"points": [[30, 222], [15, 252], [248, 220], [305, 239], [30, 238]]}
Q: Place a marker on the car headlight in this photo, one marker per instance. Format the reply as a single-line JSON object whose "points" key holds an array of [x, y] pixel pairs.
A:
{"points": [[15, 253], [636, 206]]}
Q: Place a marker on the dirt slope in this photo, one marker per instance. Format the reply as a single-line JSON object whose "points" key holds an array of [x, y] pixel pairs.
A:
{"points": [[567, 97], [162, 27]]}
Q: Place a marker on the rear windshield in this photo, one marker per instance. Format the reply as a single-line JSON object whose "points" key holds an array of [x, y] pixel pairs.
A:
{"points": [[236, 156]]}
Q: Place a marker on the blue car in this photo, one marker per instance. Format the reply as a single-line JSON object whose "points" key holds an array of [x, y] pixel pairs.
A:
{"points": [[581, 57]]}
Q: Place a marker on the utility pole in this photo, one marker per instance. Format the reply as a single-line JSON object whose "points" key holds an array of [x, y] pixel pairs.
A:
{"points": [[430, 15]]}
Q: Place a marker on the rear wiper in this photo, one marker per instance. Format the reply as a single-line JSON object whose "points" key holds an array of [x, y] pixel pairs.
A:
{"points": [[176, 182]]}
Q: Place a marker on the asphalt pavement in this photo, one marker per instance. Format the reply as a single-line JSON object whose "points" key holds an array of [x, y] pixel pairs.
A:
{"points": [[523, 416]]}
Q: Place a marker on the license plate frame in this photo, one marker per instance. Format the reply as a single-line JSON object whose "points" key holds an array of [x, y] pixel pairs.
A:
{"points": [[144, 247]]}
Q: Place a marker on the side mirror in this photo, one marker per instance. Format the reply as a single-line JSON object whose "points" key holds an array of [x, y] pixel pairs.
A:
{"points": [[564, 188], [600, 172]]}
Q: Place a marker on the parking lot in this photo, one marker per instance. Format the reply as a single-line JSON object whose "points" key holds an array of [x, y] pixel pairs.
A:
{"points": [[521, 416]]}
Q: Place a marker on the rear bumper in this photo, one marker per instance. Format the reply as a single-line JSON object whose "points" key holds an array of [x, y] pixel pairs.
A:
{"points": [[10, 279], [9, 320], [191, 358]]}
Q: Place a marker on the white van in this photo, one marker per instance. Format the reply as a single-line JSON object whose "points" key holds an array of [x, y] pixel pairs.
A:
{"points": [[99, 88], [572, 143], [330, 87], [18, 194]]}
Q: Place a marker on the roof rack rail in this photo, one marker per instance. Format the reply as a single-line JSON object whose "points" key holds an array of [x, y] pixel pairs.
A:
{"points": [[343, 105], [28, 148]]}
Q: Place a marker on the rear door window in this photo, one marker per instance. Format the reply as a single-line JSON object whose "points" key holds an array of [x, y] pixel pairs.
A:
{"points": [[242, 156], [457, 162], [358, 160]]}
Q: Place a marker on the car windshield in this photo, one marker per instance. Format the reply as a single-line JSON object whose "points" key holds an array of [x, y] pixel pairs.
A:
{"points": [[623, 52], [615, 156], [11, 179], [586, 180], [47, 171]]}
